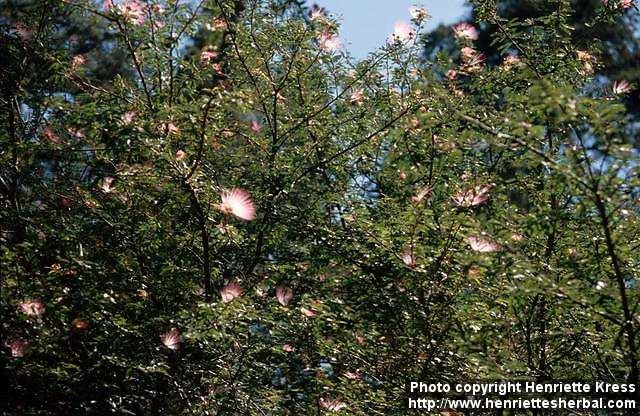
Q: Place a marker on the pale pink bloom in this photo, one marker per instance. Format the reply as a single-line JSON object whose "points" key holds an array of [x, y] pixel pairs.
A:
{"points": [[483, 244], [33, 307], [288, 348], [588, 61], [107, 184], [418, 13], [168, 128], [623, 4], [329, 42], [357, 97], [134, 11], [472, 197], [510, 61], [107, 4], [474, 63], [403, 32], [307, 312], [128, 117], [621, 87], [465, 31], [317, 15], [237, 202], [423, 193], [18, 348], [181, 155], [78, 134], [331, 404], [78, 61], [230, 292], [284, 295], [172, 339], [255, 126], [408, 259], [360, 339], [207, 56], [468, 53], [452, 74], [351, 375]]}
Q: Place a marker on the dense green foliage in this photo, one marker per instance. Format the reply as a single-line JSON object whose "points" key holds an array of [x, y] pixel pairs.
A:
{"points": [[438, 218]]}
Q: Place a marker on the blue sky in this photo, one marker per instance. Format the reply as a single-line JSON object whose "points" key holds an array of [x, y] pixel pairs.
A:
{"points": [[366, 24]]}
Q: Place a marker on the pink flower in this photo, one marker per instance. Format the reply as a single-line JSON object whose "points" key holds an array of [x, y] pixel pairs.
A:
{"points": [[472, 197], [621, 87], [423, 193], [207, 56], [510, 61], [357, 97], [134, 11], [172, 339], [230, 292], [168, 128], [465, 31], [468, 53], [237, 202], [307, 312], [418, 13], [78, 61], [329, 42], [181, 155], [331, 404], [403, 32], [33, 307], [483, 244], [128, 117], [452, 74], [317, 14], [107, 4], [288, 348], [352, 375], [408, 259], [255, 126], [107, 184], [18, 348], [284, 295], [623, 4]]}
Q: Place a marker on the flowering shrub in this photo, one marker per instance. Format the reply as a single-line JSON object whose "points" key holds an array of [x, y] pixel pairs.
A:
{"points": [[245, 220]]}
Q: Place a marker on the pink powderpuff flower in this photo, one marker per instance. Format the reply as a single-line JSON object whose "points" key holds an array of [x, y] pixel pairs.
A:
{"points": [[33, 307], [623, 4], [307, 312], [329, 42], [483, 244], [452, 75], [620, 87], [465, 31], [107, 185], [133, 11], [238, 203], [18, 348], [418, 13], [403, 32], [317, 14], [510, 61], [78, 61], [288, 348], [207, 56], [107, 5], [357, 97], [128, 117], [181, 155], [331, 404], [468, 53], [171, 339], [474, 63], [168, 128], [284, 295], [230, 292], [408, 259], [472, 197], [423, 193], [255, 126]]}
